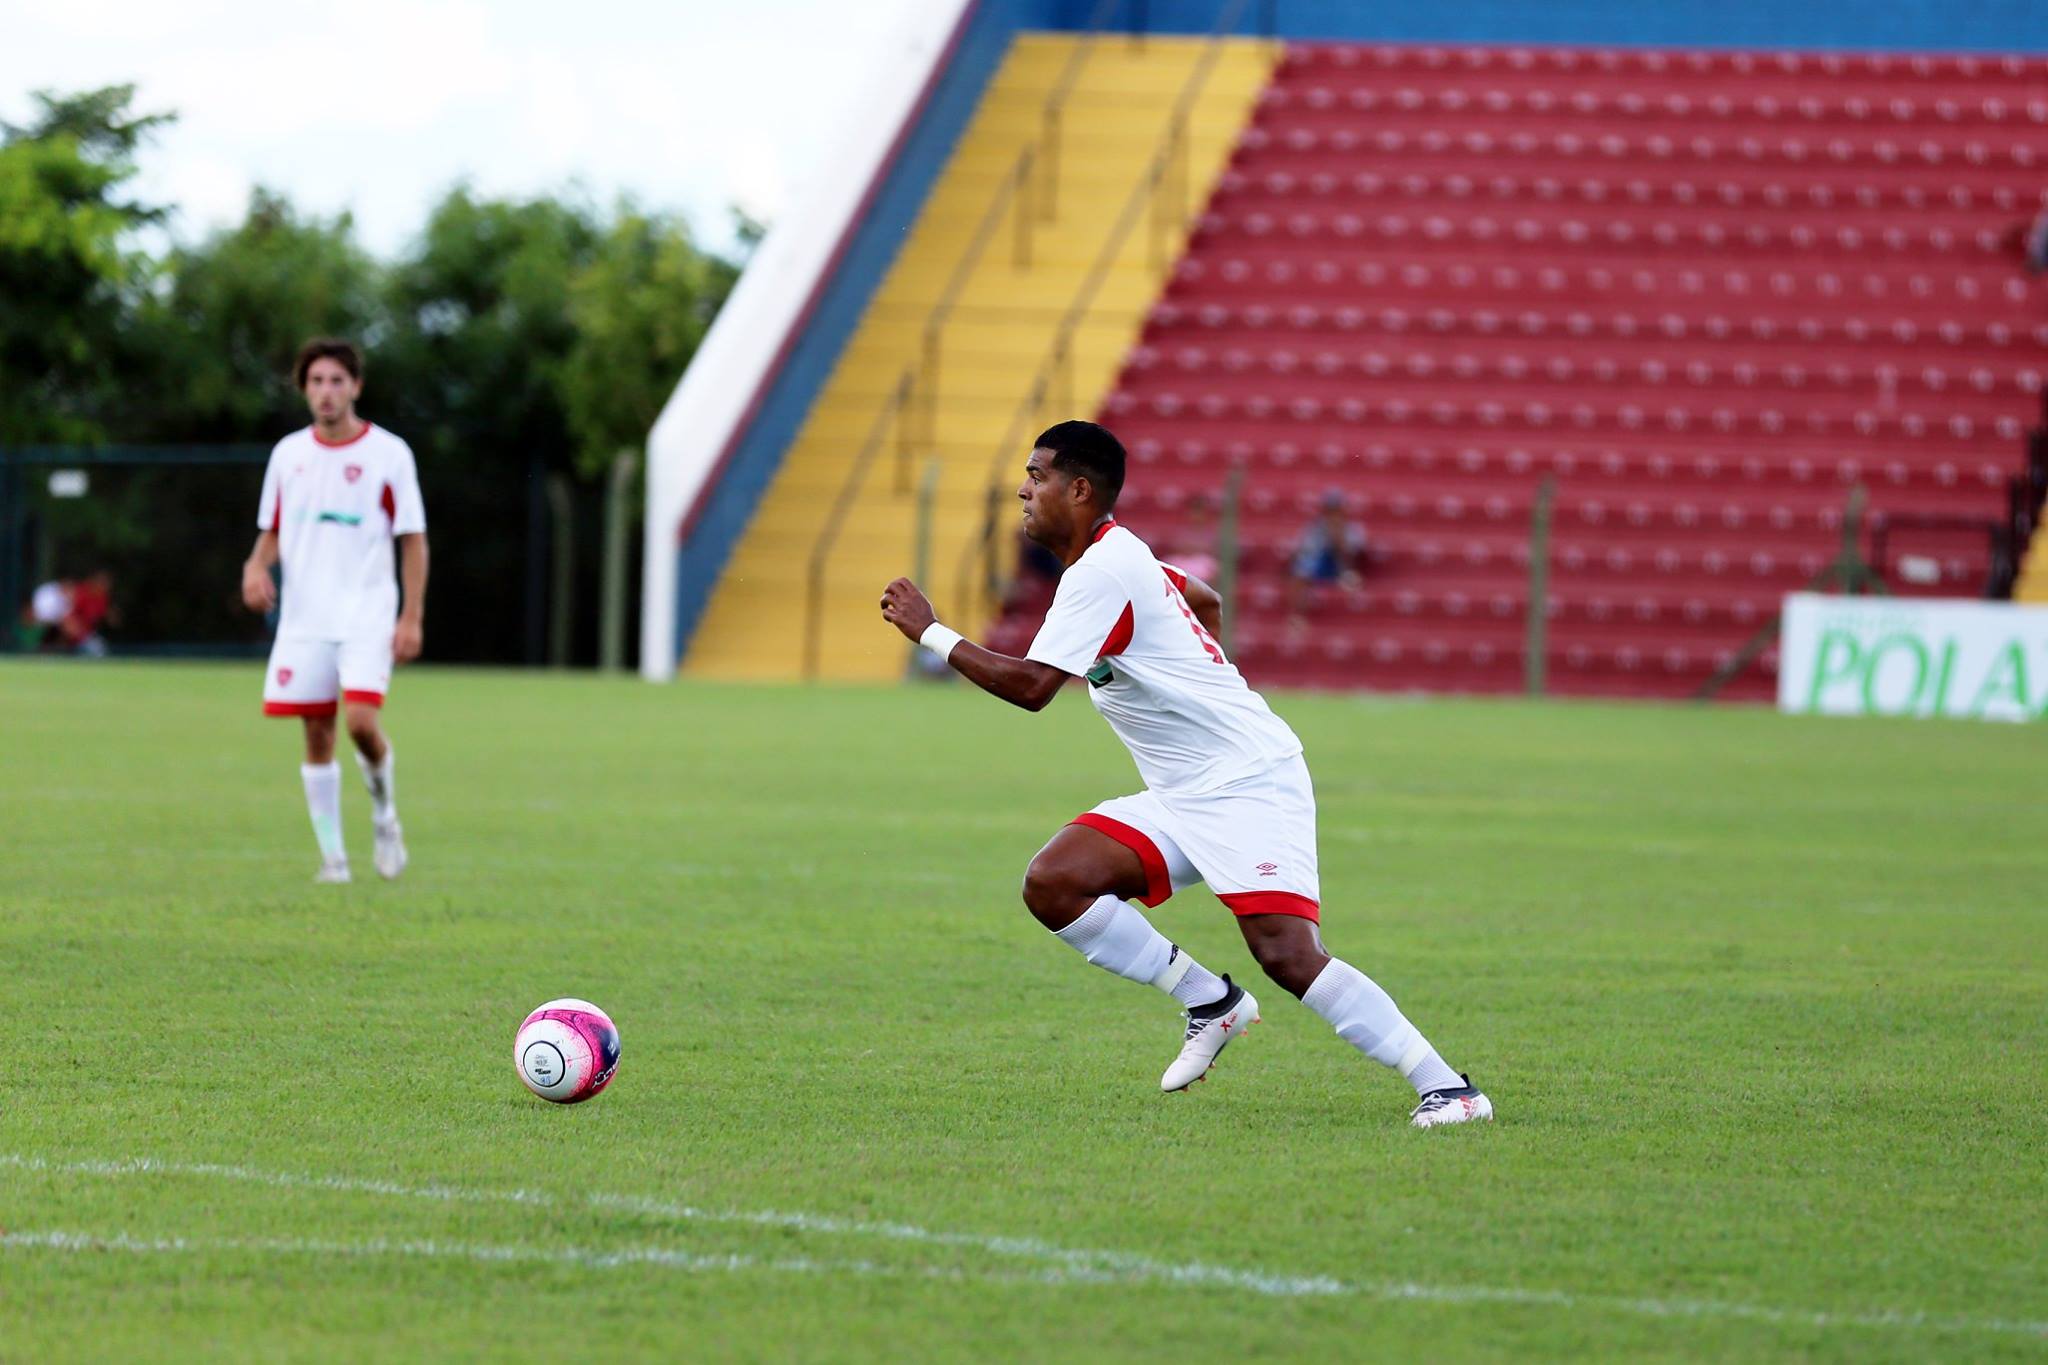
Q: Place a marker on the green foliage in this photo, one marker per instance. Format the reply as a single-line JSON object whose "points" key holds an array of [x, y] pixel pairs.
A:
{"points": [[69, 279], [514, 340], [1759, 998], [640, 307], [234, 310]]}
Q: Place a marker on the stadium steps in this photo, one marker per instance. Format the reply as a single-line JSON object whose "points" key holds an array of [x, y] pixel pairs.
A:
{"points": [[998, 336], [1708, 292]]}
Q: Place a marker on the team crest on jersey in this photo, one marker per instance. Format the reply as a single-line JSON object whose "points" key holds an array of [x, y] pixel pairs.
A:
{"points": [[352, 472], [284, 677]]}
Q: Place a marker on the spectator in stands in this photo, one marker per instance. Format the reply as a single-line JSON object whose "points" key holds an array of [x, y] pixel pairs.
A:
{"points": [[65, 614], [2034, 242], [1331, 551], [92, 605], [42, 620]]}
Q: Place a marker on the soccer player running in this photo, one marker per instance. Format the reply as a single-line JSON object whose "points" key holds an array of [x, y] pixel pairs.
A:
{"points": [[335, 496], [1227, 798]]}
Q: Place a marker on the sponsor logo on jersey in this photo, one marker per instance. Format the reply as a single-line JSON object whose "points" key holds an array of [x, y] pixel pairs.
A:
{"points": [[342, 518], [1268, 869]]}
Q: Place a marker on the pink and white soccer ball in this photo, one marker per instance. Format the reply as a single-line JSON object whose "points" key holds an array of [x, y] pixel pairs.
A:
{"points": [[566, 1051]]}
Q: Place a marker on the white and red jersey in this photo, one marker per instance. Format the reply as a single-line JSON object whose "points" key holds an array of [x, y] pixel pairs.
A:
{"points": [[1120, 619], [336, 509]]}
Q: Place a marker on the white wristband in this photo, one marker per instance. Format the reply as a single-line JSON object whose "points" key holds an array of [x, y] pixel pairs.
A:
{"points": [[940, 639]]}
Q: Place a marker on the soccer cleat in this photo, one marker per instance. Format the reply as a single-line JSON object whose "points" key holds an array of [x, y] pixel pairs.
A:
{"points": [[1459, 1104], [1210, 1028], [333, 873], [390, 856]]}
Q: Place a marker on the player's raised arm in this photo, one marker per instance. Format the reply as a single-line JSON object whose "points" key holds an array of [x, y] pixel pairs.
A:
{"points": [[1020, 682]]}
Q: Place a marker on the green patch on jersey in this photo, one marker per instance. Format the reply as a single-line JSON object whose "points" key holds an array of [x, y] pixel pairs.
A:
{"points": [[1100, 676], [345, 518]]}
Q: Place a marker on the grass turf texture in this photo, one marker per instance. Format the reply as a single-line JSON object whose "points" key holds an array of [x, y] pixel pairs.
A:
{"points": [[1759, 1000]]}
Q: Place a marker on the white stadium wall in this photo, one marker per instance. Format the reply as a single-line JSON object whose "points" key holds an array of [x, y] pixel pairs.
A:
{"points": [[725, 383]]}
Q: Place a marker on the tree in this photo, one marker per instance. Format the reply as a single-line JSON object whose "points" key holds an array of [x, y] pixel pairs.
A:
{"points": [[640, 308], [68, 270], [233, 312]]}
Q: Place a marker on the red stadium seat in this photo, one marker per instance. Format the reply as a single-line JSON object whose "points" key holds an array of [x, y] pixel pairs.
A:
{"points": [[1706, 292]]}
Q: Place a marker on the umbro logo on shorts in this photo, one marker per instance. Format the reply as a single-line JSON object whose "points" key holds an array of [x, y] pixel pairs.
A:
{"points": [[1268, 869], [284, 677]]}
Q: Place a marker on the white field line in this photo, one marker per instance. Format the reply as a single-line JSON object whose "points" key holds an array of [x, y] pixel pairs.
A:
{"points": [[1056, 1264], [513, 1253]]}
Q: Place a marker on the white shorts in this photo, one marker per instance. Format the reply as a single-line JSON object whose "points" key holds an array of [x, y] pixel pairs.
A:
{"points": [[1253, 842], [312, 677]]}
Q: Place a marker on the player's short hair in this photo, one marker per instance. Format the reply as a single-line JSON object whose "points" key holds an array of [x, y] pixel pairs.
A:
{"points": [[342, 352], [1085, 448]]}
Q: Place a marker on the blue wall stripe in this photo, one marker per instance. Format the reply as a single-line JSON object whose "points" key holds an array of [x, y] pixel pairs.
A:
{"points": [[1882, 25]]}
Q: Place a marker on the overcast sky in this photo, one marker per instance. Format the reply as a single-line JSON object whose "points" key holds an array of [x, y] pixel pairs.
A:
{"points": [[377, 106]]}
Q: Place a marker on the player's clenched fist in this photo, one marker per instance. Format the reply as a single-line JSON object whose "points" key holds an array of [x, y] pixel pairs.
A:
{"points": [[905, 608]]}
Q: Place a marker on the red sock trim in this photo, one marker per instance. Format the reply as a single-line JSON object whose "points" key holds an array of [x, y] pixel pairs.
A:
{"points": [[299, 708], [1270, 903], [356, 698], [1158, 886]]}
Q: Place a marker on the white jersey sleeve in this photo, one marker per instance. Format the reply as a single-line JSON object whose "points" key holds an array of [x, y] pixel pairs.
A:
{"points": [[408, 509], [270, 504], [1089, 609]]}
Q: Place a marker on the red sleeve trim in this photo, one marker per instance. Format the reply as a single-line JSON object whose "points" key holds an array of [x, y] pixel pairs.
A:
{"points": [[1177, 578], [1269, 903], [1158, 886], [389, 504], [359, 698], [299, 708], [1119, 635]]}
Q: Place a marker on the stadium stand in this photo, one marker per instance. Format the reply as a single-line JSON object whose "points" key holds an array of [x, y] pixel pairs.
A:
{"points": [[1707, 292], [1115, 105]]}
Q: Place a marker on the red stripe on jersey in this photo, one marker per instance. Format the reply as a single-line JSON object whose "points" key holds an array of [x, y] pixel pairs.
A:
{"points": [[1177, 578], [337, 445], [1269, 903], [389, 504], [1158, 886], [1119, 634]]}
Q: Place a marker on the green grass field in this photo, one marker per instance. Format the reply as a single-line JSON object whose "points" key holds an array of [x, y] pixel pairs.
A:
{"points": [[1763, 1003]]}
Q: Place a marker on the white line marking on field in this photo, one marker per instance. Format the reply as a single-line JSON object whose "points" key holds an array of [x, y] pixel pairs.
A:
{"points": [[1058, 1265]]}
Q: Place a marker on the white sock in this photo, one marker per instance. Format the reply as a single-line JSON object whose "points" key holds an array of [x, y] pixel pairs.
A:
{"points": [[1117, 937], [323, 803], [1367, 1018], [383, 785]]}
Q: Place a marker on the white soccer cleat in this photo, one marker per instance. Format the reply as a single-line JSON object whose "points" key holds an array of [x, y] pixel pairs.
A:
{"points": [[1210, 1029], [390, 856], [332, 873], [1460, 1104]]}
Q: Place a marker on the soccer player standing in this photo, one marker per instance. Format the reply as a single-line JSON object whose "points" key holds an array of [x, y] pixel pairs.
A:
{"points": [[335, 496], [1227, 799]]}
